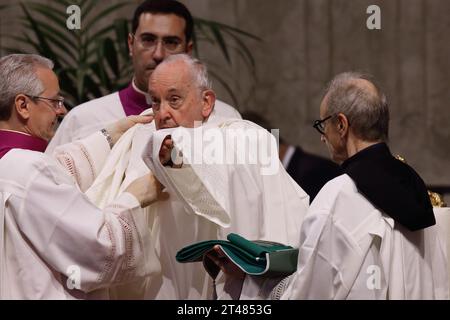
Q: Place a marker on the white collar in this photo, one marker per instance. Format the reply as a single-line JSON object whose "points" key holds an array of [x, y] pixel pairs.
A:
{"points": [[147, 96]]}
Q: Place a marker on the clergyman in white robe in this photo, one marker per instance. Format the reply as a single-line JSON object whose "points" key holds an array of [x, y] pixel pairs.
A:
{"points": [[54, 242], [350, 250], [207, 201]]}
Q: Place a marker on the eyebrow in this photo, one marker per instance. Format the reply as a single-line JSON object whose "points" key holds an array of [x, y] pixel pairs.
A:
{"points": [[156, 36], [173, 90]]}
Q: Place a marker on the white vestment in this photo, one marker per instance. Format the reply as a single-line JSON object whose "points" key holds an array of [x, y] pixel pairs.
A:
{"points": [[54, 242], [206, 202], [96, 114], [351, 250]]}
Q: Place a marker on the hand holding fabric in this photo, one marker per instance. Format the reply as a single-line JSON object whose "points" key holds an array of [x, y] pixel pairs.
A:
{"points": [[120, 127], [225, 264], [147, 190]]}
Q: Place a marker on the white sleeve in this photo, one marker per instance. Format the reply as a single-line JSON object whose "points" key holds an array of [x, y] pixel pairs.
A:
{"points": [[84, 159], [108, 247], [318, 276]]}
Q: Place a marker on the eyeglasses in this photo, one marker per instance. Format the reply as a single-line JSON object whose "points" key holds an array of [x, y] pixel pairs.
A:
{"points": [[319, 124], [57, 104], [150, 42]]}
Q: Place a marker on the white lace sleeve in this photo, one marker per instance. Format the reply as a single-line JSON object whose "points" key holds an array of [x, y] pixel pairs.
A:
{"points": [[280, 288], [83, 159]]}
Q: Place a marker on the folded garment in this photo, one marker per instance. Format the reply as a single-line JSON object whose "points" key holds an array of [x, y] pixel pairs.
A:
{"points": [[253, 257]]}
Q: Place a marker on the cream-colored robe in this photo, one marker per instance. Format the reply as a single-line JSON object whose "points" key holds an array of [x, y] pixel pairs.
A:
{"points": [[54, 242], [206, 202]]}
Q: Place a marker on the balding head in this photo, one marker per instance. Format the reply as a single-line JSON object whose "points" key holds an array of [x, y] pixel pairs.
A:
{"points": [[181, 92], [357, 97]]}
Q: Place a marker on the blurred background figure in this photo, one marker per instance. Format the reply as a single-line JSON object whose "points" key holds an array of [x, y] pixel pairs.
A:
{"points": [[311, 172]]}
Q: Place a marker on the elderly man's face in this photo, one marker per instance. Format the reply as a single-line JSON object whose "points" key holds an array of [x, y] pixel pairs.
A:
{"points": [[177, 101], [157, 37], [335, 144], [43, 114]]}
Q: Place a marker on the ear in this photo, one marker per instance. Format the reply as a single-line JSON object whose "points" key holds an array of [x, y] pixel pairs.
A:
{"points": [[208, 101], [189, 48], [130, 44], [21, 105], [342, 124]]}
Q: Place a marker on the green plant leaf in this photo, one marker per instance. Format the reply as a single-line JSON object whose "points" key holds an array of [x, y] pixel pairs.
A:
{"points": [[110, 53], [226, 86], [64, 3], [99, 34], [99, 71], [62, 33], [227, 27], [57, 40], [41, 38], [87, 6], [91, 87], [56, 16], [220, 40], [104, 14], [10, 50], [121, 29], [243, 49]]}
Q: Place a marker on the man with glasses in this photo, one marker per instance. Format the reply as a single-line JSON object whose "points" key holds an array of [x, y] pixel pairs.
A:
{"points": [[54, 242], [159, 28], [370, 233]]}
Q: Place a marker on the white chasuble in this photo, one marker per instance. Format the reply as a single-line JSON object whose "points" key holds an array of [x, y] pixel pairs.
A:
{"points": [[207, 201]]}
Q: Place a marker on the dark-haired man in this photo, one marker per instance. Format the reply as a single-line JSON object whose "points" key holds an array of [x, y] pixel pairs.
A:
{"points": [[160, 28]]}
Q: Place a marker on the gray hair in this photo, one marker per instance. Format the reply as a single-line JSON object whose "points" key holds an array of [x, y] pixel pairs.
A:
{"points": [[198, 68], [18, 75], [366, 109]]}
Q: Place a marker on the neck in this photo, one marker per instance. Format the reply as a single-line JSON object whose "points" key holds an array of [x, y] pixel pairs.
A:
{"points": [[138, 89], [355, 145], [11, 126]]}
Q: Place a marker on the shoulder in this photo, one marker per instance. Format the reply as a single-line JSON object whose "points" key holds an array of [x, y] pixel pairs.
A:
{"points": [[341, 199], [22, 166], [104, 104], [88, 118], [340, 187], [225, 110], [342, 183]]}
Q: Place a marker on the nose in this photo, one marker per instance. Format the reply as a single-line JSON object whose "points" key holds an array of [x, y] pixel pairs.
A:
{"points": [[164, 112], [159, 52], [61, 111], [322, 138]]}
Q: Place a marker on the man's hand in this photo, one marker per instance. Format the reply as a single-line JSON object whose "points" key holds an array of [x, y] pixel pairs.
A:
{"points": [[147, 190], [117, 129], [224, 263], [165, 152]]}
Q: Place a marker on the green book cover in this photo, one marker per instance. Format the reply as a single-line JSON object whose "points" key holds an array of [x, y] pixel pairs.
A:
{"points": [[253, 257]]}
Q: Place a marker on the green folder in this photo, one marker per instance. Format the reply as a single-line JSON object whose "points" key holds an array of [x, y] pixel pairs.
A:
{"points": [[253, 257]]}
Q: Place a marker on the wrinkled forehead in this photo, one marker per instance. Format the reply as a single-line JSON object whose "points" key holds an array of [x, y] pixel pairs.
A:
{"points": [[171, 75]]}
